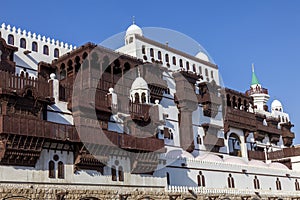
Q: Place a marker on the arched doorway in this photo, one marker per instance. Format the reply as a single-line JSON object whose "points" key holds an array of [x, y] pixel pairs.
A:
{"points": [[234, 145]]}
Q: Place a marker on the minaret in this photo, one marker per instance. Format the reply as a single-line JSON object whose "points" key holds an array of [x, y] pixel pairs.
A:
{"points": [[260, 95]]}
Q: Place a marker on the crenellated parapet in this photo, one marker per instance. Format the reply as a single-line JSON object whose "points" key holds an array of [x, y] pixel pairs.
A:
{"points": [[34, 42]]}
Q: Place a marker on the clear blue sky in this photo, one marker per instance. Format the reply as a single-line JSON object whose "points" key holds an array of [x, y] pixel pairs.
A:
{"points": [[235, 33]]}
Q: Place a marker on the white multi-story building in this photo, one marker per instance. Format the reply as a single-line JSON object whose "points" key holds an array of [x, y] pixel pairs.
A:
{"points": [[168, 123]]}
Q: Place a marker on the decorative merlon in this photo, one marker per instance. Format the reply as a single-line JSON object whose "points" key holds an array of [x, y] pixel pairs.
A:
{"points": [[38, 37]]}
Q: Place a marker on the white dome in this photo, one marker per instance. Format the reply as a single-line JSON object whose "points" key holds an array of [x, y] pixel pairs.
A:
{"points": [[276, 165], [134, 29], [276, 105], [209, 157], [234, 160], [258, 163], [202, 56], [139, 83]]}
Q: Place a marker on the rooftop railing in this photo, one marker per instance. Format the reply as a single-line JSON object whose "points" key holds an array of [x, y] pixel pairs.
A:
{"points": [[17, 83]]}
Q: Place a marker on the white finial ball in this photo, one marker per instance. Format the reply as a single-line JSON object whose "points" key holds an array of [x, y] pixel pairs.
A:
{"points": [[52, 76], [156, 101], [111, 90]]}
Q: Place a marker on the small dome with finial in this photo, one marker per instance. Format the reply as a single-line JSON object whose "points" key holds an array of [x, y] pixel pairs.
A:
{"points": [[134, 29], [139, 83], [276, 106], [139, 92]]}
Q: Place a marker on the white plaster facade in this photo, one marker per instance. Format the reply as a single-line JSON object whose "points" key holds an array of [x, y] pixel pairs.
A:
{"points": [[183, 168]]}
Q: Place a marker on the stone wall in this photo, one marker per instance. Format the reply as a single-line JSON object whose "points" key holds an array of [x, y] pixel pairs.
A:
{"points": [[56, 192]]}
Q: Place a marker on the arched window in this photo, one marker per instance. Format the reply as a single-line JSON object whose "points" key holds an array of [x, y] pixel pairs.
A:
{"points": [[171, 136], [201, 180], [206, 72], [199, 141], [234, 145], [61, 170], [212, 74], [194, 68], [34, 46], [23, 43], [256, 183], [167, 58], [228, 100], [46, 50], [121, 174], [130, 39], [174, 60], [63, 72], [10, 39], [143, 97], [143, 49], [151, 53], [180, 63], [159, 55], [278, 184], [51, 167], [230, 181], [200, 70], [297, 186], [136, 98], [56, 53], [168, 178], [234, 104], [187, 65], [113, 173]]}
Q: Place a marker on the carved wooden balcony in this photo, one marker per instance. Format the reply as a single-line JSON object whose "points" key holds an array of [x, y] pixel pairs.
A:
{"points": [[37, 128], [268, 129], [284, 153], [276, 155], [139, 111], [20, 84], [240, 119], [256, 155], [149, 144]]}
